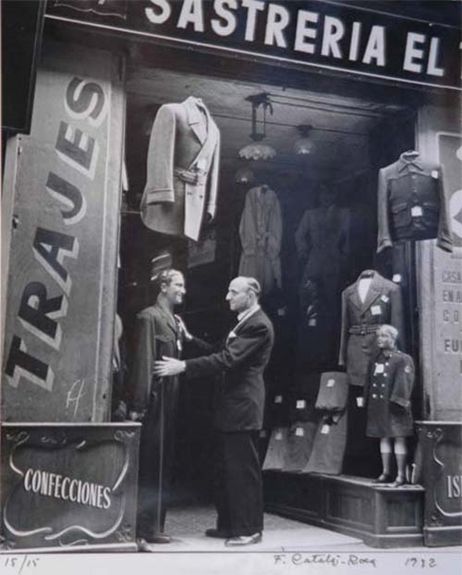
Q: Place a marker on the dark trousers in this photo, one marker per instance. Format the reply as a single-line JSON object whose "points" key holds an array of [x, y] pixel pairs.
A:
{"points": [[238, 483], [156, 459]]}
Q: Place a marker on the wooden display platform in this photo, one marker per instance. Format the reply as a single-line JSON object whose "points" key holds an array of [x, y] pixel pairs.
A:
{"points": [[382, 516]]}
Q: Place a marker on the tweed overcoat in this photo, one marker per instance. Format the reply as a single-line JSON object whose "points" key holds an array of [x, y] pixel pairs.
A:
{"points": [[182, 170]]}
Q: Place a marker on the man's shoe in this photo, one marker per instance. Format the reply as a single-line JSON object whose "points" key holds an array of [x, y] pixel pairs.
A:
{"points": [[217, 533], [149, 546], [243, 540]]}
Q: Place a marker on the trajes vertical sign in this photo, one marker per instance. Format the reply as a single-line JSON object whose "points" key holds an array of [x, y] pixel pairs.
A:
{"points": [[57, 341]]}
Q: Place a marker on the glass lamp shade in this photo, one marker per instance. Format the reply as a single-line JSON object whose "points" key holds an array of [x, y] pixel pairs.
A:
{"points": [[257, 151], [244, 176], [304, 146]]}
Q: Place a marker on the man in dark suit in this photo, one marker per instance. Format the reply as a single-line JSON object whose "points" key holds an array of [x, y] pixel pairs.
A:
{"points": [[238, 413], [154, 402]]}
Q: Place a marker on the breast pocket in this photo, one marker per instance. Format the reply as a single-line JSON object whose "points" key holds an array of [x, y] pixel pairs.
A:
{"points": [[401, 215]]}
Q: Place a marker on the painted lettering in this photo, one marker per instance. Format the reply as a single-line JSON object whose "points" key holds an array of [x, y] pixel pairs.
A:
{"points": [[303, 31], [192, 13], [22, 364], [227, 25], [252, 6], [375, 49], [77, 149], [85, 100], [69, 195], [277, 22], [160, 14], [334, 30]]}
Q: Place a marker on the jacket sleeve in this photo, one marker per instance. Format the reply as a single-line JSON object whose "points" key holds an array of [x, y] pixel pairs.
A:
{"points": [[160, 167], [444, 240], [247, 232], [301, 243], [344, 330], [235, 352], [213, 179], [143, 361], [397, 314], [403, 382], [383, 238], [274, 240]]}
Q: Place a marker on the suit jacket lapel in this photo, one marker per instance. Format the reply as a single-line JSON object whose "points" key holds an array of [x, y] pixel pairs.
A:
{"points": [[373, 292], [169, 319], [355, 299], [197, 121]]}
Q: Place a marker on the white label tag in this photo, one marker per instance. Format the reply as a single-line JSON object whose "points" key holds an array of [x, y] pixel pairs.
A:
{"points": [[376, 310], [385, 298], [299, 432], [360, 401], [301, 404], [278, 399], [278, 436], [330, 382], [312, 323], [396, 278], [379, 368], [325, 429], [435, 174], [416, 211]]}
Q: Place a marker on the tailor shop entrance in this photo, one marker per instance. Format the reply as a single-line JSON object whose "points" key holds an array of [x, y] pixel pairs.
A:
{"points": [[303, 220]]}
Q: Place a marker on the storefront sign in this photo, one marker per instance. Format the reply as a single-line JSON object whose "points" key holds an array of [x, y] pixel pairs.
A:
{"points": [[448, 286], [441, 476], [312, 33], [69, 486], [57, 332]]}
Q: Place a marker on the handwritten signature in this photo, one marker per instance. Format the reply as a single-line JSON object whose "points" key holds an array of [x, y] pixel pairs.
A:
{"points": [[333, 560], [74, 394]]}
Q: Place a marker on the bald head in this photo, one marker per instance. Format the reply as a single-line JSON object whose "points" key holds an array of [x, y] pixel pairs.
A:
{"points": [[243, 293]]}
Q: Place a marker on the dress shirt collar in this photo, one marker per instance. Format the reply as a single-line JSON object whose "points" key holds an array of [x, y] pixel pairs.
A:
{"points": [[248, 312]]}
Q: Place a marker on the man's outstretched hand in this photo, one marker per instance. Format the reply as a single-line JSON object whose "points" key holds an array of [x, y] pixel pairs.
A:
{"points": [[169, 366]]}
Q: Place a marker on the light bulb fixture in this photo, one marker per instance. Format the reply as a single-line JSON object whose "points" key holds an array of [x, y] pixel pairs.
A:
{"points": [[304, 145], [257, 150], [244, 176]]}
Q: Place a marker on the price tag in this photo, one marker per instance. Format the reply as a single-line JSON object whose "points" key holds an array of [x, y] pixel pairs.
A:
{"points": [[325, 429], [278, 435], [330, 382], [435, 174], [299, 432], [278, 399], [396, 278], [376, 310], [379, 368], [360, 401], [416, 211], [301, 404], [385, 298], [312, 323]]}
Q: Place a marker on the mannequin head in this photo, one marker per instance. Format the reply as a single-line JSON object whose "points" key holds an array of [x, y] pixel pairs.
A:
{"points": [[386, 337]]}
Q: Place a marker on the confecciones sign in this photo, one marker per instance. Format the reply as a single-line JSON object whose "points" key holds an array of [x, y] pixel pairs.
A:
{"points": [[67, 488], [312, 33]]}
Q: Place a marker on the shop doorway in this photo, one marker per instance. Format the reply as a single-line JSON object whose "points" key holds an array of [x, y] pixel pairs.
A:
{"points": [[351, 138]]}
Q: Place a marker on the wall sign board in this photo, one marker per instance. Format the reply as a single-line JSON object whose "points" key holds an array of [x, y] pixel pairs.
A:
{"points": [[69, 486], [324, 35]]}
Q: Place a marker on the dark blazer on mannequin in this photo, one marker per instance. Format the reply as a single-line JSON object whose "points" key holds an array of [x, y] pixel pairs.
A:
{"points": [[360, 320], [240, 395], [412, 203], [182, 169]]}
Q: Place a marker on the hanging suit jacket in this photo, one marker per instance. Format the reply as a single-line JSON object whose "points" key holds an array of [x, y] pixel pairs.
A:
{"points": [[321, 241], [412, 204], [182, 170], [360, 320], [260, 231], [240, 397]]}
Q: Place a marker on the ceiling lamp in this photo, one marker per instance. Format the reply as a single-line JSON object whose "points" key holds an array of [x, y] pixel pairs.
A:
{"points": [[257, 150], [244, 176], [304, 145]]}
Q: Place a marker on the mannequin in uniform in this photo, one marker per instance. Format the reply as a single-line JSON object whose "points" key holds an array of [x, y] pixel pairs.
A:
{"points": [[154, 402], [387, 398]]}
